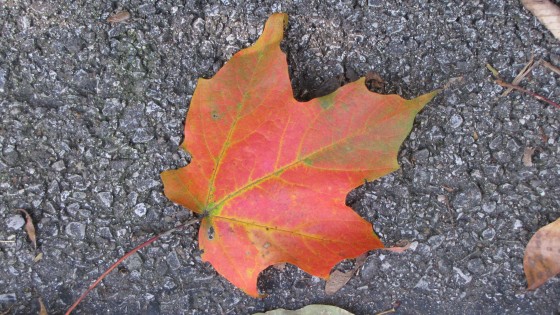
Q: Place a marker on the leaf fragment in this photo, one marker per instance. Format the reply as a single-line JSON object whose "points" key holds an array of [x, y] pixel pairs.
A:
{"points": [[118, 17], [338, 278], [29, 228], [542, 255], [42, 308], [38, 258], [399, 249], [528, 156]]}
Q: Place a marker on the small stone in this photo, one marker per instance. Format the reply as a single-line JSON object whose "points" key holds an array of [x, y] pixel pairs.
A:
{"points": [[206, 49], [106, 198], [112, 107], [142, 135], [133, 197], [105, 232], [133, 262], [2, 80], [488, 234], [462, 277], [147, 9], [375, 3], [15, 222], [489, 207], [445, 266], [58, 166], [456, 121], [468, 198], [169, 284], [496, 142], [422, 284], [7, 298], [422, 155], [173, 261], [370, 269], [436, 241], [476, 266], [140, 209], [76, 230]]}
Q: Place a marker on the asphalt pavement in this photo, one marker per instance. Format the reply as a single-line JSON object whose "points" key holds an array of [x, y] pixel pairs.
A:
{"points": [[91, 112]]}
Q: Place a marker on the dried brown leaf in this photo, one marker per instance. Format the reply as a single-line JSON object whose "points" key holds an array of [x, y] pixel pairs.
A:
{"points": [[118, 17], [42, 308], [398, 249], [338, 278], [528, 156], [547, 12], [29, 228], [542, 255]]}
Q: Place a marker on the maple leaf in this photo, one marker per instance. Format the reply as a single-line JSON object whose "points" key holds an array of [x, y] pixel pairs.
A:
{"points": [[542, 255], [270, 174]]}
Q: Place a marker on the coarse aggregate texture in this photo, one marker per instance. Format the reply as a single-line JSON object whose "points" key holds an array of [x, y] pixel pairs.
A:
{"points": [[92, 112]]}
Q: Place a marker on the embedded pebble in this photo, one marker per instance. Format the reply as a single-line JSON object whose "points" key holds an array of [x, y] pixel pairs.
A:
{"points": [[468, 198], [15, 222], [58, 166], [456, 121], [140, 209], [488, 234], [76, 230], [133, 262], [7, 298], [173, 260], [106, 198]]}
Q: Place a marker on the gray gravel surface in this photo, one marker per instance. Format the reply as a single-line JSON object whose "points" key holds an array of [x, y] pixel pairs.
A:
{"points": [[91, 113]]}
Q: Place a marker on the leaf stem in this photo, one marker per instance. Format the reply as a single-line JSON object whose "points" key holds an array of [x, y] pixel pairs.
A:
{"points": [[123, 258]]}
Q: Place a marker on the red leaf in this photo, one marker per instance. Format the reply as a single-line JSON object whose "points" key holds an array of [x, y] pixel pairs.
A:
{"points": [[270, 174]]}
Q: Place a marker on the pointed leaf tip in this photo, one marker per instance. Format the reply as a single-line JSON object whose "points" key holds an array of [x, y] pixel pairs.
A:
{"points": [[420, 102], [273, 31]]}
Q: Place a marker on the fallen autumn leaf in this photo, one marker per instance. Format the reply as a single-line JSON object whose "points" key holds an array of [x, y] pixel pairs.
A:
{"points": [[547, 12], [542, 255], [270, 175]]}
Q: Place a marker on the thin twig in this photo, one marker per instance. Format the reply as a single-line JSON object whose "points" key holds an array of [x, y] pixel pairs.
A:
{"points": [[7, 311], [533, 94], [525, 71], [123, 258], [7, 241], [389, 311], [550, 66]]}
